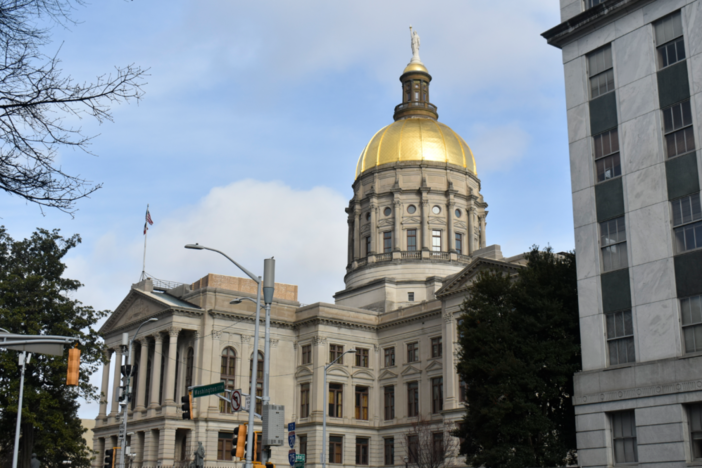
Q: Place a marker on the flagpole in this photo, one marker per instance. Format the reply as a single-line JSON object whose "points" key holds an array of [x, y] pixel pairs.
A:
{"points": [[146, 234]]}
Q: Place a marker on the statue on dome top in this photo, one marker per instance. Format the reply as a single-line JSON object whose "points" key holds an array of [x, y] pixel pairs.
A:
{"points": [[415, 45]]}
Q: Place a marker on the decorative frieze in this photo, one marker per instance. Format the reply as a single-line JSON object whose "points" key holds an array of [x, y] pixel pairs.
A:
{"points": [[639, 392]]}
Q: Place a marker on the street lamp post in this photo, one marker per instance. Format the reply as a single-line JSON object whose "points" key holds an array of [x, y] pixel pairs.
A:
{"points": [[129, 369], [325, 409]]}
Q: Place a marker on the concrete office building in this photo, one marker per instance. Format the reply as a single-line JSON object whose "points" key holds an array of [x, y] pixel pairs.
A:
{"points": [[633, 76]]}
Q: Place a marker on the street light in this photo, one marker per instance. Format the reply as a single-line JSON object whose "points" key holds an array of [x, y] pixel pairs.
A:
{"points": [[406, 460], [324, 416], [129, 370]]}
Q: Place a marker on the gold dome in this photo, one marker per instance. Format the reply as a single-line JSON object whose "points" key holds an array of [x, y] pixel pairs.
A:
{"points": [[415, 66], [416, 140]]}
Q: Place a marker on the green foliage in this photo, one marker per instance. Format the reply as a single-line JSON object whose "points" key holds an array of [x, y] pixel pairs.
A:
{"points": [[520, 346], [35, 299]]}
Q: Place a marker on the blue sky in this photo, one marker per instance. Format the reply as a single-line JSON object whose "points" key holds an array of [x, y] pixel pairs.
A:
{"points": [[255, 114]]}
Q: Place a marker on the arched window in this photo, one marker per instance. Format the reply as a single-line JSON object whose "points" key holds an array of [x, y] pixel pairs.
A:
{"points": [[227, 375], [259, 381], [189, 370]]}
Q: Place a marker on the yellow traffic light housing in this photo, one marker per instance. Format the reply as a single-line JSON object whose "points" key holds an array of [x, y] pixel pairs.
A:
{"points": [[187, 406], [73, 366], [239, 447]]}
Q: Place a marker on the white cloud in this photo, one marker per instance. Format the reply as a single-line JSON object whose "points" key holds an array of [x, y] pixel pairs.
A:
{"points": [[498, 148]]}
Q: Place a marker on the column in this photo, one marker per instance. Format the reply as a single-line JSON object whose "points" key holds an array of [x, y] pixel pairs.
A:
{"points": [[351, 241], [450, 377], [166, 446], [470, 235], [99, 448], [156, 371], [136, 443], [425, 223], [482, 232], [397, 241], [357, 232], [170, 375], [117, 377], [449, 228], [104, 390], [143, 363], [374, 226], [150, 445]]}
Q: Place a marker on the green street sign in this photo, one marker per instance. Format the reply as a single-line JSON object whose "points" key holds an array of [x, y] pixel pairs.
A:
{"points": [[211, 389], [300, 461]]}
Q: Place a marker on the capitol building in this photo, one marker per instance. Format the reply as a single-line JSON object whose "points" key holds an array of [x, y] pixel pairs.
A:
{"points": [[417, 237]]}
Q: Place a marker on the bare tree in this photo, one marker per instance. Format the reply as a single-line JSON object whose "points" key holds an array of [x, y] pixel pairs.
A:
{"points": [[430, 445], [35, 99]]}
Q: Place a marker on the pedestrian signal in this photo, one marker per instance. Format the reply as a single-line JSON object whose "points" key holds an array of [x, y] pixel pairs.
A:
{"points": [[73, 366], [187, 406]]}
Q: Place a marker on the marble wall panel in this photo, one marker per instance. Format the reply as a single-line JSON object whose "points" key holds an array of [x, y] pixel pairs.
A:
{"points": [[653, 415], [628, 23], [656, 10], [596, 39], [584, 207], [656, 331], [587, 251], [578, 122], [653, 281], [649, 234], [695, 71], [581, 165], [575, 82], [696, 103], [570, 51], [646, 187], [641, 142], [660, 433], [589, 302], [593, 457], [638, 98], [570, 10], [692, 27], [590, 422], [633, 57], [591, 439], [593, 342], [661, 453]]}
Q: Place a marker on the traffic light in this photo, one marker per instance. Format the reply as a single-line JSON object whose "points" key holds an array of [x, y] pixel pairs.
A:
{"points": [[257, 446], [270, 465], [187, 406], [239, 442], [110, 457], [73, 366]]}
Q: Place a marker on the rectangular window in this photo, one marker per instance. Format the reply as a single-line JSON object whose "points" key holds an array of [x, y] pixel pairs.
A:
{"points": [[413, 448], [224, 446], [413, 399], [620, 337], [305, 400], [436, 347], [307, 354], [677, 127], [411, 240], [361, 357], [459, 243], [389, 400], [361, 451], [335, 445], [389, 451], [368, 245], [592, 3], [436, 241], [410, 297], [695, 416], [362, 403], [607, 160], [669, 40], [613, 239], [624, 437], [459, 325], [437, 445], [601, 72], [687, 227], [691, 309], [303, 445], [389, 357], [437, 394], [336, 398], [387, 241], [413, 352], [336, 351], [463, 390]]}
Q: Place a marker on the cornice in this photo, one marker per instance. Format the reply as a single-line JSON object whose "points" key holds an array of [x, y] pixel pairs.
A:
{"points": [[638, 392], [335, 323], [162, 313], [247, 318]]}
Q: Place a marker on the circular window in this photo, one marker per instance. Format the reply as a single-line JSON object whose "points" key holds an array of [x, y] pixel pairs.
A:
{"points": [[387, 211], [368, 216], [436, 209], [458, 213], [411, 209]]}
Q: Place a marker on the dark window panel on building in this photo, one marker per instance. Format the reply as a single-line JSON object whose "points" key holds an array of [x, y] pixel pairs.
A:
{"points": [[607, 160], [362, 403], [677, 126], [624, 437], [436, 241], [227, 375], [620, 337], [303, 445], [669, 40], [436, 347], [591, 3], [459, 243], [412, 352], [361, 451], [389, 455], [695, 417], [413, 399], [601, 72], [411, 240], [613, 244], [387, 241], [307, 354], [389, 401], [687, 227], [437, 394], [304, 400], [389, 357], [336, 398], [335, 449], [691, 311], [335, 351], [361, 357], [224, 446], [413, 448]]}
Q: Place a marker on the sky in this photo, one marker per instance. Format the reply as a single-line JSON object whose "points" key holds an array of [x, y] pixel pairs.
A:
{"points": [[255, 114]]}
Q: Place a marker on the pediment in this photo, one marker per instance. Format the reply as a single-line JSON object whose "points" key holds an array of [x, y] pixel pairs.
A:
{"points": [[386, 374], [338, 371], [303, 371], [363, 374], [434, 365], [409, 370]]}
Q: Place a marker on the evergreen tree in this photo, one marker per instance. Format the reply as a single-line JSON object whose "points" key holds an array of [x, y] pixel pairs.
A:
{"points": [[520, 346], [36, 299]]}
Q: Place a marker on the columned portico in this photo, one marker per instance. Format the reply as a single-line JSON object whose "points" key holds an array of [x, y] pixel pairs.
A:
{"points": [[155, 391], [116, 380], [141, 389], [171, 366]]}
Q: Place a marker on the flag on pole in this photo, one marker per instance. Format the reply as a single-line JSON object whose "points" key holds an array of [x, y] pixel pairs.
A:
{"points": [[148, 220]]}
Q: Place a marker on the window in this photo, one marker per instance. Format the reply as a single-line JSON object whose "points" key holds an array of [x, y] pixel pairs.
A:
{"points": [[387, 241], [147, 389], [304, 400], [592, 3], [613, 237], [695, 416], [436, 241], [259, 381], [620, 337], [410, 297], [669, 40], [459, 324], [387, 211], [436, 347], [362, 403], [624, 437], [436, 209], [224, 446], [691, 308], [601, 71], [389, 455], [336, 397], [335, 351], [437, 446], [335, 445], [361, 357], [413, 448], [457, 213], [463, 390], [307, 354], [361, 451], [368, 245], [413, 399], [411, 240], [389, 357], [303, 445], [411, 209], [413, 352], [677, 126], [389, 400], [459, 242], [227, 375], [687, 227], [437, 394], [607, 159]]}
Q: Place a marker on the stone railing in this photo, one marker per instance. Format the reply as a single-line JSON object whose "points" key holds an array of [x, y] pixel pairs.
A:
{"points": [[414, 255], [440, 255], [384, 257]]}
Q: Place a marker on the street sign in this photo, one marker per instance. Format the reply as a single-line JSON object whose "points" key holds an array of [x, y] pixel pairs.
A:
{"points": [[300, 461], [291, 427], [236, 401], [212, 389], [291, 439], [292, 457]]}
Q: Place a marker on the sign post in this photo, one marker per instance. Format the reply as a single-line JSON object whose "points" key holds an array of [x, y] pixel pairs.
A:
{"points": [[236, 401]]}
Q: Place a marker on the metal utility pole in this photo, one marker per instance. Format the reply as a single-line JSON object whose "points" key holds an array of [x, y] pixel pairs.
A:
{"points": [[268, 291], [23, 360]]}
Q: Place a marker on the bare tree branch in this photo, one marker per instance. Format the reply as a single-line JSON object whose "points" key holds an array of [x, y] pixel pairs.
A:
{"points": [[431, 444]]}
